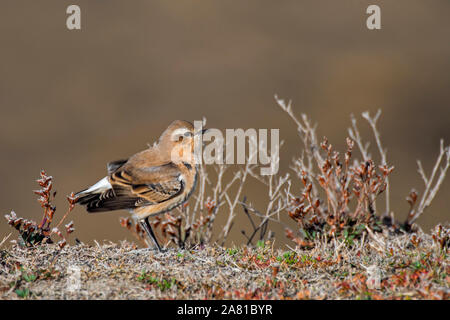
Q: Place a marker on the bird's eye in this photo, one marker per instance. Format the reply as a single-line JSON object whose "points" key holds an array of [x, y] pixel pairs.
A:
{"points": [[180, 138], [188, 134]]}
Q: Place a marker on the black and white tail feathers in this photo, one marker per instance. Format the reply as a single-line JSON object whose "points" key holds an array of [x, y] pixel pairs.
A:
{"points": [[103, 197]]}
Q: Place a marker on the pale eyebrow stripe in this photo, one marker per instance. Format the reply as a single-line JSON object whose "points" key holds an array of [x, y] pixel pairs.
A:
{"points": [[179, 132]]}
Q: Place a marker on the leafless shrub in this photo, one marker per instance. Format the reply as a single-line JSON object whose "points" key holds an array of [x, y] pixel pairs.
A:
{"points": [[32, 233], [430, 189], [134, 228], [441, 236], [339, 197], [278, 189], [350, 192]]}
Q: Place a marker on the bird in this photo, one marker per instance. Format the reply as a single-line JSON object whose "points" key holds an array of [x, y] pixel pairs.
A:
{"points": [[150, 182]]}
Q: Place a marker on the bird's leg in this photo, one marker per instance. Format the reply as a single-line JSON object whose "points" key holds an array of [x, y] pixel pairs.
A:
{"points": [[148, 229]]}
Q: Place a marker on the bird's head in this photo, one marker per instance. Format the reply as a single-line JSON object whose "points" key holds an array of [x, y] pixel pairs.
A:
{"points": [[179, 141]]}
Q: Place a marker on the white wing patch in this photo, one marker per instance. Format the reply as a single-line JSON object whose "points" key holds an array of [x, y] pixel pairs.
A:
{"points": [[100, 186]]}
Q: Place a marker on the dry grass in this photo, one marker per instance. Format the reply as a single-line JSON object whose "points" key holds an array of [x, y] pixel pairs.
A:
{"points": [[384, 267]]}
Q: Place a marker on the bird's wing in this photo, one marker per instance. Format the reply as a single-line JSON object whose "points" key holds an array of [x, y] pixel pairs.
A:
{"points": [[130, 187], [115, 198], [153, 184]]}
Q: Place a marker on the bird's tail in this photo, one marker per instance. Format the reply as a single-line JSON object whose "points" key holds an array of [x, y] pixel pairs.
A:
{"points": [[87, 195], [103, 197]]}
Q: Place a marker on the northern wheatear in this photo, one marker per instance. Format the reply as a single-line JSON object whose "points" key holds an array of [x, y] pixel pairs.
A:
{"points": [[150, 182]]}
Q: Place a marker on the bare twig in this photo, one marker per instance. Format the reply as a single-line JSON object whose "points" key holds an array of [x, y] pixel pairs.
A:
{"points": [[430, 190], [383, 152]]}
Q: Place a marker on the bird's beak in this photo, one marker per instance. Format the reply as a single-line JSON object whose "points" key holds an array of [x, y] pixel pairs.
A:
{"points": [[202, 132]]}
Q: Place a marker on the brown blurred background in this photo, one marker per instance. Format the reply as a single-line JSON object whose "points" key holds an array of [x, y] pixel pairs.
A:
{"points": [[71, 101]]}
